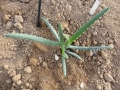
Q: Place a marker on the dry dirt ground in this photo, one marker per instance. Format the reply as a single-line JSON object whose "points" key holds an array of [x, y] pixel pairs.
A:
{"points": [[26, 65]]}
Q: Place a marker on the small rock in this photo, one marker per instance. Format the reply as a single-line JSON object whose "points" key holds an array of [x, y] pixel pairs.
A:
{"points": [[95, 33], [68, 8], [103, 66], [101, 76], [102, 5], [6, 67], [76, 43], [71, 22], [110, 41], [9, 25], [19, 82], [12, 73], [44, 64], [32, 62], [104, 55], [30, 86], [89, 53], [27, 69], [16, 77], [5, 18], [64, 25], [18, 25], [107, 86], [108, 77], [56, 57], [25, 1], [53, 2], [27, 84], [94, 42], [18, 18], [99, 87], [82, 85], [8, 81]]}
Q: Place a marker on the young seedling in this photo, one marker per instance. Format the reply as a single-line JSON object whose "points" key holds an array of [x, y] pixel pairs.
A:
{"points": [[63, 40]]}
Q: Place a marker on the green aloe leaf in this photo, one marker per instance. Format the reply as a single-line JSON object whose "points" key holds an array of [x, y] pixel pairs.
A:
{"points": [[86, 26], [65, 55], [61, 38], [73, 54], [61, 34], [51, 28], [89, 48], [34, 38], [66, 37], [64, 65]]}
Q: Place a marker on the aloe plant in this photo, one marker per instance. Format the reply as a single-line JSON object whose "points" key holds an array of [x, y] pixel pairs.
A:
{"points": [[63, 40]]}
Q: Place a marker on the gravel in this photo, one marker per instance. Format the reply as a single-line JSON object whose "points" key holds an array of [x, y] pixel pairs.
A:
{"points": [[16, 77], [27, 69], [89, 53], [18, 18], [18, 25], [32, 62], [108, 77]]}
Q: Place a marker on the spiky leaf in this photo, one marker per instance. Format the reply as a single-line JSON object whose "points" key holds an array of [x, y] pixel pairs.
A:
{"points": [[64, 66], [89, 48], [86, 26], [65, 55], [60, 34], [34, 38], [73, 54], [51, 28]]}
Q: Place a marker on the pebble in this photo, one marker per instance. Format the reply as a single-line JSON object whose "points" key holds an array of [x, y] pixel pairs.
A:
{"points": [[18, 25], [110, 41], [53, 2], [44, 64], [5, 18], [95, 33], [64, 25], [104, 55], [76, 43], [102, 5], [9, 25], [32, 62], [56, 57], [19, 82], [6, 67], [107, 86], [99, 87], [71, 22], [68, 8], [16, 77], [82, 85], [89, 53], [12, 73], [8, 81], [27, 84], [27, 69], [108, 77], [101, 76], [18, 18], [94, 42]]}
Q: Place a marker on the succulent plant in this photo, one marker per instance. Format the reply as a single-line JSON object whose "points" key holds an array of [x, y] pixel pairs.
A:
{"points": [[63, 40]]}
